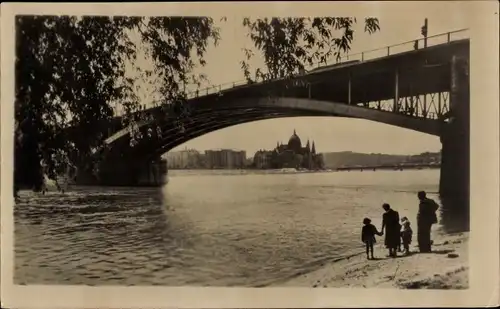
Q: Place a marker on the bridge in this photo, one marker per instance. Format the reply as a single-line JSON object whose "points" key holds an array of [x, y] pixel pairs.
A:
{"points": [[424, 89], [396, 167]]}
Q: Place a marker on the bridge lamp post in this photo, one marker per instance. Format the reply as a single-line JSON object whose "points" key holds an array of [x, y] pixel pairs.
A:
{"points": [[424, 32]]}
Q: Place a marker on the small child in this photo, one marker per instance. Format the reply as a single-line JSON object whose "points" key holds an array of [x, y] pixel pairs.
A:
{"points": [[368, 236], [406, 234]]}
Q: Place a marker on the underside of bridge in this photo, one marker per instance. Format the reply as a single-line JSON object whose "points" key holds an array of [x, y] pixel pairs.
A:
{"points": [[172, 131]]}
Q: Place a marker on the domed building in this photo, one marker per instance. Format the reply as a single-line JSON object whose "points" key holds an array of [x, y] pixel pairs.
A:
{"points": [[294, 143], [291, 155]]}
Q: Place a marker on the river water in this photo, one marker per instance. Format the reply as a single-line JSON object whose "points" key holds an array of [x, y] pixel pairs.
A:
{"points": [[205, 228]]}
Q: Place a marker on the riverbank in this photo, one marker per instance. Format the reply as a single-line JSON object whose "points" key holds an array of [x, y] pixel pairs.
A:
{"points": [[447, 267]]}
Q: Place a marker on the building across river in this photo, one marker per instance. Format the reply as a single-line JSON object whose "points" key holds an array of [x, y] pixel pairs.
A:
{"points": [[290, 155], [211, 159], [225, 158]]}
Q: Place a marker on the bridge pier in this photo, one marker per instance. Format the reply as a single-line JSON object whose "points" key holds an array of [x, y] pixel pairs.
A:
{"points": [[128, 173], [152, 173], [454, 187]]}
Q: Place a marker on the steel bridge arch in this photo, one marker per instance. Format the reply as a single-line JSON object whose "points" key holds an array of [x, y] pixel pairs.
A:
{"points": [[200, 124], [269, 108]]}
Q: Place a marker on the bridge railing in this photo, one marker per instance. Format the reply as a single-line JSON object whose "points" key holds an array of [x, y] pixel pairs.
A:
{"points": [[438, 39]]}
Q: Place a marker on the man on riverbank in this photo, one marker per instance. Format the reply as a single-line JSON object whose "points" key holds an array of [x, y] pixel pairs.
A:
{"points": [[390, 223], [426, 217]]}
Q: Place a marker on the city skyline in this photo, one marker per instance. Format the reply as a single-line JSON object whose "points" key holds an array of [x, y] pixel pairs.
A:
{"points": [[185, 148], [330, 133]]}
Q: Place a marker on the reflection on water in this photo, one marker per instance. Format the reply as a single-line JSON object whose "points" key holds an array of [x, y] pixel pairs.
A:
{"points": [[205, 229]]}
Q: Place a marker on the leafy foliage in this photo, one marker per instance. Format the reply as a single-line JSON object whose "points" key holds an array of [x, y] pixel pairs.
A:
{"points": [[75, 72], [72, 71], [290, 44]]}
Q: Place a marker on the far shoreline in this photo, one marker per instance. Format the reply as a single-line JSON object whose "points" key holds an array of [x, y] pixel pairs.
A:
{"points": [[289, 171]]}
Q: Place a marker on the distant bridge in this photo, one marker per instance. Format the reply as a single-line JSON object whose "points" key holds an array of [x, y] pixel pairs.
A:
{"points": [[396, 167]]}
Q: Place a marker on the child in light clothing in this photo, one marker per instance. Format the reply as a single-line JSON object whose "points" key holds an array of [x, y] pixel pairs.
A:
{"points": [[406, 234]]}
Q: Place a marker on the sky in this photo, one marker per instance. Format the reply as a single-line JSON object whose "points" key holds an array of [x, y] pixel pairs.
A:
{"points": [[331, 134]]}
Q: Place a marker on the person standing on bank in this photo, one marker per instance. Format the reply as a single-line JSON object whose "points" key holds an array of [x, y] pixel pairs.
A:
{"points": [[390, 221], [368, 233], [426, 217], [406, 234]]}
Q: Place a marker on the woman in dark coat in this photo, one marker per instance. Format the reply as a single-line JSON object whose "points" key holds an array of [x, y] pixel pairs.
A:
{"points": [[390, 221]]}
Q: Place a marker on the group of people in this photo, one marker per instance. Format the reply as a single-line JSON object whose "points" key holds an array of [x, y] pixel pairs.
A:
{"points": [[399, 232]]}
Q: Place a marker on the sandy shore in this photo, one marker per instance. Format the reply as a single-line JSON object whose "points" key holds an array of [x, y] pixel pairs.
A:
{"points": [[446, 267]]}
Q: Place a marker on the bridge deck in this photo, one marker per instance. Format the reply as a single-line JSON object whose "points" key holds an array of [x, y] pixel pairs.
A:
{"points": [[420, 71]]}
